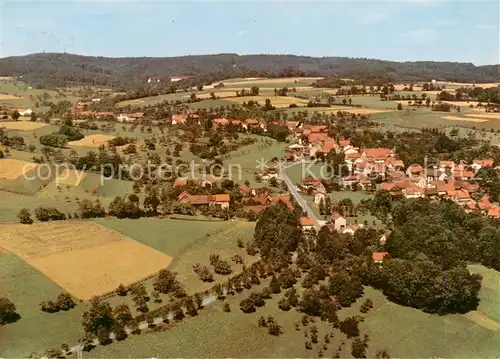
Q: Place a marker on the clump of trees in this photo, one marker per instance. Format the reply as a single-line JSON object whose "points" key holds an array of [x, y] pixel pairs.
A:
{"points": [[8, 312], [203, 273], [220, 266], [45, 214], [24, 216], [64, 302]]}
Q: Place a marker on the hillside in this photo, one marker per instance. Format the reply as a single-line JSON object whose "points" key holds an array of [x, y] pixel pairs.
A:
{"points": [[57, 69]]}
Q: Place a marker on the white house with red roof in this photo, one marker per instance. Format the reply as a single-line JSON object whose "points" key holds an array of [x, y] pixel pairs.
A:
{"points": [[338, 221]]}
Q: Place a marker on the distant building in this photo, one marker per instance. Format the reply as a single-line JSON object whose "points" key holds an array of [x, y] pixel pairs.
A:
{"points": [[178, 78]]}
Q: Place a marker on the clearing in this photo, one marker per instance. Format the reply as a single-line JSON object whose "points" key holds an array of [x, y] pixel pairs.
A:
{"points": [[83, 257], [22, 125], [490, 116], [11, 169], [276, 101], [468, 119], [93, 141]]}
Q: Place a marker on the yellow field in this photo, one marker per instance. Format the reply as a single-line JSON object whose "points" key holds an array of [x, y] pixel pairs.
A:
{"points": [[482, 320], [226, 93], [82, 257], [262, 81], [11, 169], [490, 116], [485, 85], [276, 101], [355, 110], [9, 97], [469, 119], [70, 177], [93, 141], [22, 125], [461, 103]]}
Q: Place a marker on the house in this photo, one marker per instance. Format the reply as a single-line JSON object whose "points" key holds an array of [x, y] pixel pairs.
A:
{"points": [[247, 191], [313, 183], [220, 122], [378, 257], [208, 181], [306, 223], [283, 199], [478, 164], [319, 196], [344, 143], [413, 192], [26, 112], [414, 170], [494, 212], [251, 122], [178, 119], [351, 229], [220, 200], [180, 182], [376, 154], [338, 221], [348, 180]]}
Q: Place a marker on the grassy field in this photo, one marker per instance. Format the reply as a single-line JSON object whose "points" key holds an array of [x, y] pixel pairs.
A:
{"points": [[36, 330], [26, 97], [404, 332], [166, 235]]}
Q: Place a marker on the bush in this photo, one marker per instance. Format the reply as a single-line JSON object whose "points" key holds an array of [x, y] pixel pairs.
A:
{"points": [[45, 214], [121, 290], [349, 327], [24, 216], [120, 333], [227, 308]]}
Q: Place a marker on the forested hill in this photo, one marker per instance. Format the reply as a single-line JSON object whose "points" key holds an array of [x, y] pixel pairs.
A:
{"points": [[57, 69]]}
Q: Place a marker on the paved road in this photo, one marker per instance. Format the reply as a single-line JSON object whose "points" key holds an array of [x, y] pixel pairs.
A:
{"points": [[293, 190]]}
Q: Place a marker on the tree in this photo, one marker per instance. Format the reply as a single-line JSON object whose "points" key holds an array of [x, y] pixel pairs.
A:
{"points": [[24, 216], [99, 316], [349, 327], [122, 314], [120, 333], [165, 282], [358, 348], [274, 285], [284, 304], [227, 308], [247, 306], [400, 107], [121, 290], [15, 115], [103, 336], [7, 311], [65, 302], [254, 91], [382, 354]]}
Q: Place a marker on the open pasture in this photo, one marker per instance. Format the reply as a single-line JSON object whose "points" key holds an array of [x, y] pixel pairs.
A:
{"points": [[489, 116], [70, 177], [92, 141], [276, 101], [84, 258], [269, 82], [22, 125], [11, 168], [9, 97], [35, 331], [467, 119]]}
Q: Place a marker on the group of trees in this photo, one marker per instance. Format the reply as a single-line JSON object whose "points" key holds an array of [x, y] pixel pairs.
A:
{"points": [[8, 312], [64, 302], [60, 138]]}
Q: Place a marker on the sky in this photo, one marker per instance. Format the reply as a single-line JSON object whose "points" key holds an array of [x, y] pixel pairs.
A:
{"points": [[405, 30]]}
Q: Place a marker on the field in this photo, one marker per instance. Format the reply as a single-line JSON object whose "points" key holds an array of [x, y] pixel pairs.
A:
{"points": [[86, 251], [35, 330], [466, 119], [22, 125], [404, 332], [188, 241], [70, 177], [92, 141], [276, 101], [11, 168], [9, 97]]}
